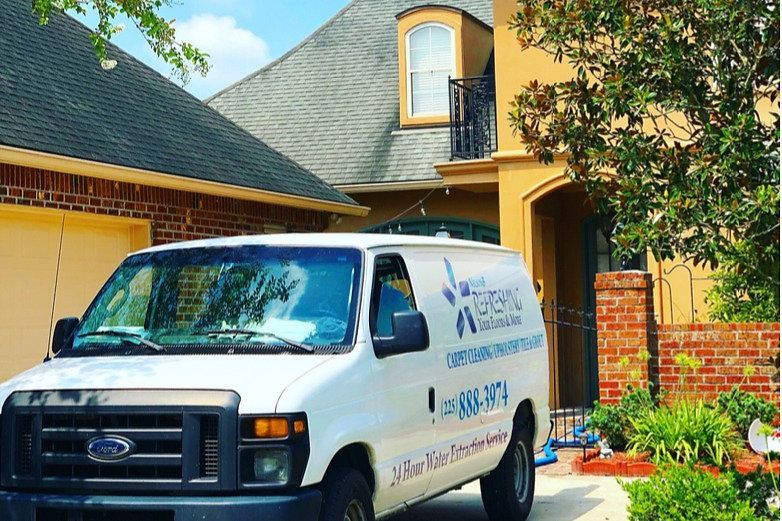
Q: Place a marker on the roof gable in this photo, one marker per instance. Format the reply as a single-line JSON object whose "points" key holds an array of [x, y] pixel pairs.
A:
{"points": [[57, 99], [332, 102]]}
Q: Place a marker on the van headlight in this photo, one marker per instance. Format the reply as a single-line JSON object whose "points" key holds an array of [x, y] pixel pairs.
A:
{"points": [[272, 466], [273, 451]]}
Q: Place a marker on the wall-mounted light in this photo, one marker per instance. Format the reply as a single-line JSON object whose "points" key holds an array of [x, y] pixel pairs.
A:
{"points": [[443, 232]]}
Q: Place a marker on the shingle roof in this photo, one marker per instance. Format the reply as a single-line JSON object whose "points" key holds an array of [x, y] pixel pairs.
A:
{"points": [[55, 98], [332, 103]]}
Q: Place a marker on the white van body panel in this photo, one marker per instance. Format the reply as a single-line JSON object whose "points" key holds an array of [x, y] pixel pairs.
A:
{"points": [[258, 385], [487, 337]]}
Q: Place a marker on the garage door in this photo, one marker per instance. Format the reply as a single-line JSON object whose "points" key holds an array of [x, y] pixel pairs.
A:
{"points": [[92, 247]]}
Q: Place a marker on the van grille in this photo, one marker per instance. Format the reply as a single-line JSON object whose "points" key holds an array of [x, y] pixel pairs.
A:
{"points": [[210, 446], [190, 444], [157, 437], [24, 445]]}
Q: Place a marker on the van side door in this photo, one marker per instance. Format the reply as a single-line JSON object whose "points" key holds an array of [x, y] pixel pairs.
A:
{"points": [[472, 301], [401, 385]]}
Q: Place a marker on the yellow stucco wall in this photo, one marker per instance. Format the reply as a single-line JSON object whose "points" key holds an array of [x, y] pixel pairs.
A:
{"points": [[523, 183], [514, 68]]}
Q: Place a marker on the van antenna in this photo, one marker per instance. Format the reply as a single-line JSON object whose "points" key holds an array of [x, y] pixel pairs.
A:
{"points": [[54, 297]]}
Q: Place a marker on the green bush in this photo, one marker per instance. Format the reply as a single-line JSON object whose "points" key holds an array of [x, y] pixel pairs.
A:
{"points": [[681, 493], [613, 422], [743, 407], [685, 432], [760, 489]]}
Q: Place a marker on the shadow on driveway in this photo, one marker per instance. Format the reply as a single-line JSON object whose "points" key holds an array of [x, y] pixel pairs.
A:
{"points": [[565, 498]]}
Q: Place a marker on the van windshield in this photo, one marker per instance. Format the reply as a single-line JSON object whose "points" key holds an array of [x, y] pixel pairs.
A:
{"points": [[242, 299]]}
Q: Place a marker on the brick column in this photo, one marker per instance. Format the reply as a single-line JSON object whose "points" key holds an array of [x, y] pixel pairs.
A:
{"points": [[625, 320]]}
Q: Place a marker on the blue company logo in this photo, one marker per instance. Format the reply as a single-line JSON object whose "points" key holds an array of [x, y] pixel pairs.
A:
{"points": [[110, 448], [450, 290]]}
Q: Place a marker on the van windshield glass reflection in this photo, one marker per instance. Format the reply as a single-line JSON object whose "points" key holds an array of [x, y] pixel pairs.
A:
{"points": [[291, 298]]}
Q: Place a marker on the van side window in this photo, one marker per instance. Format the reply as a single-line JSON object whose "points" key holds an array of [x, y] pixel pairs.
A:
{"points": [[391, 292]]}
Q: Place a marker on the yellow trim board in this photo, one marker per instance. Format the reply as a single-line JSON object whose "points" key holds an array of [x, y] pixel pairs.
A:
{"points": [[71, 165], [361, 188]]}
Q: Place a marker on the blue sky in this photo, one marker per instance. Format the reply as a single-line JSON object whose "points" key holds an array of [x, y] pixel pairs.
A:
{"points": [[240, 35]]}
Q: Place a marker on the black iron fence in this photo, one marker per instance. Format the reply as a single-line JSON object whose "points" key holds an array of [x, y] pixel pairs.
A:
{"points": [[473, 117], [573, 380]]}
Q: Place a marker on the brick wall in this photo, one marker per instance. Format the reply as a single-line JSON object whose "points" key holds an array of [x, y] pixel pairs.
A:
{"points": [[175, 215], [633, 349], [625, 317], [724, 350]]}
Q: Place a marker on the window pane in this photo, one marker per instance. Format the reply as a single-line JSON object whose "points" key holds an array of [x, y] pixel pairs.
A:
{"points": [[440, 92], [421, 92], [439, 36], [176, 297], [440, 58], [393, 293], [420, 38], [420, 59]]}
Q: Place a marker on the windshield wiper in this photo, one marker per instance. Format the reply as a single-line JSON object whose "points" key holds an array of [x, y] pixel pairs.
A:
{"points": [[127, 335], [250, 332]]}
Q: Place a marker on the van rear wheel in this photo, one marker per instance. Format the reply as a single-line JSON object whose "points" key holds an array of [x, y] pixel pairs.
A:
{"points": [[508, 491], [346, 497]]}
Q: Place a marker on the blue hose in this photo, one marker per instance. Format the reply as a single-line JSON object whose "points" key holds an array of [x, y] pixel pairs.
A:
{"points": [[549, 455]]}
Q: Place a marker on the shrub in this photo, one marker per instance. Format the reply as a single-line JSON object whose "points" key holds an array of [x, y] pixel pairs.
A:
{"points": [[613, 422], [681, 493], [760, 489], [686, 432], [743, 407]]}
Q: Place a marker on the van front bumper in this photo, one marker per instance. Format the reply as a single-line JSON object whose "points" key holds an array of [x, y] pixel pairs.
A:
{"points": [[18, 506]]}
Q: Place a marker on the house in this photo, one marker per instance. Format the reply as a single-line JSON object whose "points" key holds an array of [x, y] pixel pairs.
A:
{"points": [[402, 104], [336, 105], [95, 164]]}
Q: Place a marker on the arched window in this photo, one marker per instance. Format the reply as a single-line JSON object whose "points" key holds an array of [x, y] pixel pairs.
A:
{"points": [[430, 61]]}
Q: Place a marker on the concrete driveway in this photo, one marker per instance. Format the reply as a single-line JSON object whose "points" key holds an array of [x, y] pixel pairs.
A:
{"points": [[557, 498]]}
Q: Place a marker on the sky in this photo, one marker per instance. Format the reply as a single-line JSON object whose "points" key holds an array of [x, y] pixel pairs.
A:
{"points": [[241, 36]]}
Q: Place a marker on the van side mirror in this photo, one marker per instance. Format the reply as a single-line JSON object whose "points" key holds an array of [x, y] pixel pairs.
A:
{"points": [[63, 331], [410, 334]]}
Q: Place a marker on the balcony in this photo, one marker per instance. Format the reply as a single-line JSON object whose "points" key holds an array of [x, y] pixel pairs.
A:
{"points": [[473, 117]]}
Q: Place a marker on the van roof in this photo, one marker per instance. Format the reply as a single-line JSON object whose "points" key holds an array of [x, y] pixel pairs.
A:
{"points": [[363, 241]]}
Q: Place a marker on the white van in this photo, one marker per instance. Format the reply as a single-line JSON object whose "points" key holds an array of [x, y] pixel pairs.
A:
{"points": [[292, 377]]}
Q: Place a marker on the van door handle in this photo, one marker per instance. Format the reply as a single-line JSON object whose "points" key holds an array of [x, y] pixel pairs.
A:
{"points": [[431, 400]]}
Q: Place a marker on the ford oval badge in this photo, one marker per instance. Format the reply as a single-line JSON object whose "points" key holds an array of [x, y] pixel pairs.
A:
{"points": [[110, 448]]}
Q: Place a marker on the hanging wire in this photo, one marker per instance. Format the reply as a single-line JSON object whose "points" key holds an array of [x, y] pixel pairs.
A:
{"points": [[418, 204]]}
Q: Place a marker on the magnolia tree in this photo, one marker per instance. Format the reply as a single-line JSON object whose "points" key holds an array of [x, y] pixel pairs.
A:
{"points": [[670, 122], [159, 33]]}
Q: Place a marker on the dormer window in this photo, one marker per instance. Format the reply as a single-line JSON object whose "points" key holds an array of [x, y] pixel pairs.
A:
{"points": [[430, 62], [436, 42]]}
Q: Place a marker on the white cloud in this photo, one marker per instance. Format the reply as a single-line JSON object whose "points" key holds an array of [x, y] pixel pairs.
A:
{"points": [[234, 52]]}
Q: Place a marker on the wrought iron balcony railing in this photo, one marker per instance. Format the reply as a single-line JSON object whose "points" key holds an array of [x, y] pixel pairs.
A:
{"points": [[473, 117]]}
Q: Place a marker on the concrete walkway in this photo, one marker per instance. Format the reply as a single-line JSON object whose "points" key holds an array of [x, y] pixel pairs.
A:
{"points": [[557, 498]]}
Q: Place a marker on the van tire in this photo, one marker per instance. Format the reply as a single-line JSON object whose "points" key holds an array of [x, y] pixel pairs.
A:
{"points": [[346, 496], [508, 491]]}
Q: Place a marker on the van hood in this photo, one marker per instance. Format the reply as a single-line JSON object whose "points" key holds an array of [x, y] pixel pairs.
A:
{"points": [[258, 379]]}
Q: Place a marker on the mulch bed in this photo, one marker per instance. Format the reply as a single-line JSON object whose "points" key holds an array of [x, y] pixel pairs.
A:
{"points": [[637, 466]]}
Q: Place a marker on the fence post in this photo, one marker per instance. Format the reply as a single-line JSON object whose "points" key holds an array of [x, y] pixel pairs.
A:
{"points": [[625, 325]]}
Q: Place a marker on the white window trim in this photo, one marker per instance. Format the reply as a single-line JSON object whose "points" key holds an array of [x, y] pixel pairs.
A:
{"points": [[408, 72]]}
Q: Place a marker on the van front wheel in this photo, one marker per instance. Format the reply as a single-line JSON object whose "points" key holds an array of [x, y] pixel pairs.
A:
{"points": [[508, 491], [346, 497]]}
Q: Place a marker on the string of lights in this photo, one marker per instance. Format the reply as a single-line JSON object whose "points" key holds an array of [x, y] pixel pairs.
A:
{"points": [[420, 205]]}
